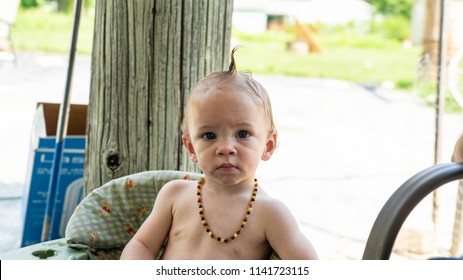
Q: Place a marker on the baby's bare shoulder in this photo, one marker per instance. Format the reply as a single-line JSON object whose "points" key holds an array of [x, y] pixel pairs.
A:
{"points": [[271, 205], [179, 184], [176, 188]]}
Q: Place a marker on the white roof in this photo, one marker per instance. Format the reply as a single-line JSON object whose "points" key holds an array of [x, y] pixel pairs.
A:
{"points": [[309, 11]]}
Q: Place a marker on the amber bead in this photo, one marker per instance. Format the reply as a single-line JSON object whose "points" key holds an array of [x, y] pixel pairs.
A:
{"points": [[203, 218]]}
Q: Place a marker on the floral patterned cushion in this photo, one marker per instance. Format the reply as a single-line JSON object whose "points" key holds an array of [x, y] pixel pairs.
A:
{"points": [[109, 216]]}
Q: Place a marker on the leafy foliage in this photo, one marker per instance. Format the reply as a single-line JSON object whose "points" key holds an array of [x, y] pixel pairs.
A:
{"points": [[395, 23], [61, 5], [29, 3], [393, 27], [401, 8]]}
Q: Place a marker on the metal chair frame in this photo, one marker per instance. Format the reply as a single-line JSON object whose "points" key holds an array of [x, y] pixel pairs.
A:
{"points": [[393, 214]]}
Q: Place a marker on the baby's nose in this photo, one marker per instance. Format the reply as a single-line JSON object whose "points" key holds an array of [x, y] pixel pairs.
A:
{"points": [[226, 147]]}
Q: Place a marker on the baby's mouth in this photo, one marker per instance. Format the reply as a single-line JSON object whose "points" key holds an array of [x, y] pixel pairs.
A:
{"points": [[227, 167]]}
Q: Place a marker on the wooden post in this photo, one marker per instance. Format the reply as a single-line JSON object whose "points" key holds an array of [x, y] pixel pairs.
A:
{"points": [[146, 57], [431, 36]]}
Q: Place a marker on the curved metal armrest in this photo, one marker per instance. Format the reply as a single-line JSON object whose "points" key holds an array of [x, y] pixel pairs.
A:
{"points": [[400, 205]]}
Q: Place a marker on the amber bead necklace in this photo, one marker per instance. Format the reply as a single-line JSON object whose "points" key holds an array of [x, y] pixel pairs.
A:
{"points": [[203, 218]]}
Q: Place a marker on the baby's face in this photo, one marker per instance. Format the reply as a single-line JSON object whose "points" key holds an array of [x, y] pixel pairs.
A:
{"points": [[228, 134]]}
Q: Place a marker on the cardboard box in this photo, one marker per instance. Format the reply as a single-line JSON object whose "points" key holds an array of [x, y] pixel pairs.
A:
{"points": [[69, 187]]}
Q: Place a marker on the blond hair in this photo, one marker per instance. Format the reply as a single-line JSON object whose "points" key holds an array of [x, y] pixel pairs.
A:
{"points": [[242, 81]]}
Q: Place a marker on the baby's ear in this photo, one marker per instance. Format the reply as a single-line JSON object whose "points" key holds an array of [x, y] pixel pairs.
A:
{"points": [[458, 152], [186, 139], [270, 146]]}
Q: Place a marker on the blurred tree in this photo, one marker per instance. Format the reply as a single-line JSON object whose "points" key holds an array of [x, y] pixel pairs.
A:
{"points": [[393, 7], [29, 4], [397, 17], [65, 6]]}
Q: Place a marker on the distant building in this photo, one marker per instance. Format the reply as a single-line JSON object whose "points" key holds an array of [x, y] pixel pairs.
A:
{"points": [[254, 16]]}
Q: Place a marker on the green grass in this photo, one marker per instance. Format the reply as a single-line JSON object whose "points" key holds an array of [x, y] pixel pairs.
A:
{"points": [[359, 60], [358, 65], [348, 55], [42, 30], [367, 58]]}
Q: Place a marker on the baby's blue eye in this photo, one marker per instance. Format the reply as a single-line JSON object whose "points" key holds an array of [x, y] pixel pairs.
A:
{"points": [[243, 134], [209, 136]]}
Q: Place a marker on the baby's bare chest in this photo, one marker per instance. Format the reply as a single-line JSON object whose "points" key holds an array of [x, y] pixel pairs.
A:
{"points": [[202, 236]]}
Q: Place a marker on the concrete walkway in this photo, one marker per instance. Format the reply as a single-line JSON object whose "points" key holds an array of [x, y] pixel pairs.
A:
{"points": [[343, 150]]}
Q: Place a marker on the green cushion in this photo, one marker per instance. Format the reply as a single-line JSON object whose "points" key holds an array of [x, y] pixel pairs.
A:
{"points": [[56, 249], [109, 216]]}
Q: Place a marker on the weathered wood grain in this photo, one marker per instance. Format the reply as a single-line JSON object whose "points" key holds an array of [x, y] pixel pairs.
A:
{"points": [[147, 54]]}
